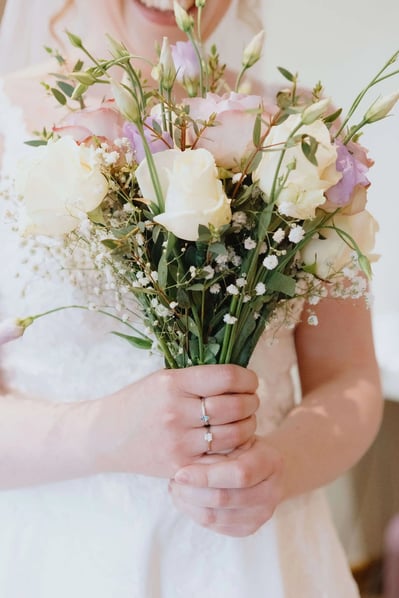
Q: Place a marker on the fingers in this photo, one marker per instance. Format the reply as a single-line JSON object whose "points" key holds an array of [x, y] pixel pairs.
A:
{"points": [[223, 438], [223, 409], [237, 512], [212, 380], [244, 470], [226, 498]]}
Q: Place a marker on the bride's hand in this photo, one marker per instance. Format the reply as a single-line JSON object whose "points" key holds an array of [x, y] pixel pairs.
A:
{"points": [[154, 426], [233, 494]]}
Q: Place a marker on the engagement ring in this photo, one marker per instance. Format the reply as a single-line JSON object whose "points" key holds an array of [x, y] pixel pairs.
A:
{"points": [[204, 415]]}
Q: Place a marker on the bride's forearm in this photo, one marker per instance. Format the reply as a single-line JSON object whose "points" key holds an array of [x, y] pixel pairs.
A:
{"points": [[329, 431], [42, 441]]}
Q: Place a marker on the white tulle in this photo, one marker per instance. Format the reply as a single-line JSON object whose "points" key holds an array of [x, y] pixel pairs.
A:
{"points": [[120, 536]]}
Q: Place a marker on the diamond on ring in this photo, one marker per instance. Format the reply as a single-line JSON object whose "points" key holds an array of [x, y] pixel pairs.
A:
{"points": [[204, 415], [208, 437]]}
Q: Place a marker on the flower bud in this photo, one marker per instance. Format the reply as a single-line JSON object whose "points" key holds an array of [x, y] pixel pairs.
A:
{"points": [[84, 78], [183, 20], [167, 66], [75, 40], [117, 49], [381, 107], [314, 111], [126, 103], [253, 50], [12, 329], [200, 3]]}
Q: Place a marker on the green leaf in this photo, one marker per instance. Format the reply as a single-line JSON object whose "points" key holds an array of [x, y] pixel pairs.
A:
{"points": [[36, 142], [67, 88], [110, 243], [257, 130], [309, 147], [59, 96], [365, 266], [78, 66], [264, 221], [332, 117], [183, 298], [286, 74], [136, 341], [310, 268], [282, 284], [193, 328], [204, 234], [97, 216]]}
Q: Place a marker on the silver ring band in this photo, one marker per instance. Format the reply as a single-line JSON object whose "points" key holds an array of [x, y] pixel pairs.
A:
{"points": [[208, 437], [204, 415]]}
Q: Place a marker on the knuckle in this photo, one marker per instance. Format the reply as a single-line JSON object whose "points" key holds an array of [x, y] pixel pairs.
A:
{"points": [[242, 476], [222, 498], [230, 374], [207, 517]]}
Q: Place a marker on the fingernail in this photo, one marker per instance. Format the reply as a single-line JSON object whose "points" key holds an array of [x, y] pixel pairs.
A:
{"points": [[182, 477]]}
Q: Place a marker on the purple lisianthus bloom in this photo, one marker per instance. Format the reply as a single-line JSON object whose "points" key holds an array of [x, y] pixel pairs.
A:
{"points": [[155, 142], [353, 175], [186, 61]]}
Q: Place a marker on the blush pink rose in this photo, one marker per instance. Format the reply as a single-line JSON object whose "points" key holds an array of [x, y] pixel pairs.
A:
{"points": [[230, 139], [104, 123]]}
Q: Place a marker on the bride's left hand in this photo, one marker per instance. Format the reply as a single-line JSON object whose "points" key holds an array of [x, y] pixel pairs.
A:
{"points": [[232, 494]]}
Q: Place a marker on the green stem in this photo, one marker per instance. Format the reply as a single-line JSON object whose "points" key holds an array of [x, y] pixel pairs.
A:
{"points": [[228, 332], [153, 171], [200, 62], [364, 91], [85, 307], [239, 78]]}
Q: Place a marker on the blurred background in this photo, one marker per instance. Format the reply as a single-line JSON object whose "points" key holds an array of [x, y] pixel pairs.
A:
{"points": [[344, 44]]}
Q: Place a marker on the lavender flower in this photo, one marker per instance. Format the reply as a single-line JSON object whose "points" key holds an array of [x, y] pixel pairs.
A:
{"points": [[156, 143], [186, 62], [353, 174]]}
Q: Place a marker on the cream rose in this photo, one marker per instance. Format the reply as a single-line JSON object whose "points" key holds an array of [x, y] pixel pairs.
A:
{"points": [[331, 254], [192, 191], [304, 188], [58, 184]]}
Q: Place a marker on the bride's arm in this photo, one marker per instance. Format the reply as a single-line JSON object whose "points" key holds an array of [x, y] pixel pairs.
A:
{"points": [[321, 438], [152, 427]]}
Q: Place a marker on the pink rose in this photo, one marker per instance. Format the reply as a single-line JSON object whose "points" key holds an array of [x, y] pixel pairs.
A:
{"points": [[230, 139], [104, 123]]}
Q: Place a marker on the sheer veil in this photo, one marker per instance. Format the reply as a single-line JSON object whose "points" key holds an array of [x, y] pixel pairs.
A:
{"points": [[24, 31]]}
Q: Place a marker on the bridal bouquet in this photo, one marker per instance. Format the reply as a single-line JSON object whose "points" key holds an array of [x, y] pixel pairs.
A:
{"points": [[213, 208]]}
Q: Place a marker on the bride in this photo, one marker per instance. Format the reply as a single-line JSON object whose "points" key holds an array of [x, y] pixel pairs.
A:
{"points": [[106, 489]]}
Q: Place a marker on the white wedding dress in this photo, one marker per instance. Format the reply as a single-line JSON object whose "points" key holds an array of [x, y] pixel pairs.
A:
{"points": [[117, 535]]}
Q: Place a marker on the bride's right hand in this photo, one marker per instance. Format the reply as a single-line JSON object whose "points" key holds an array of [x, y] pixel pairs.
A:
{"points": [[154, 427]]}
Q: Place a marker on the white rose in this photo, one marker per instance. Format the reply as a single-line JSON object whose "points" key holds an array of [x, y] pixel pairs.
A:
{"points": [[58, 184], [192, 191], [304, 188], [331, 254]]}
